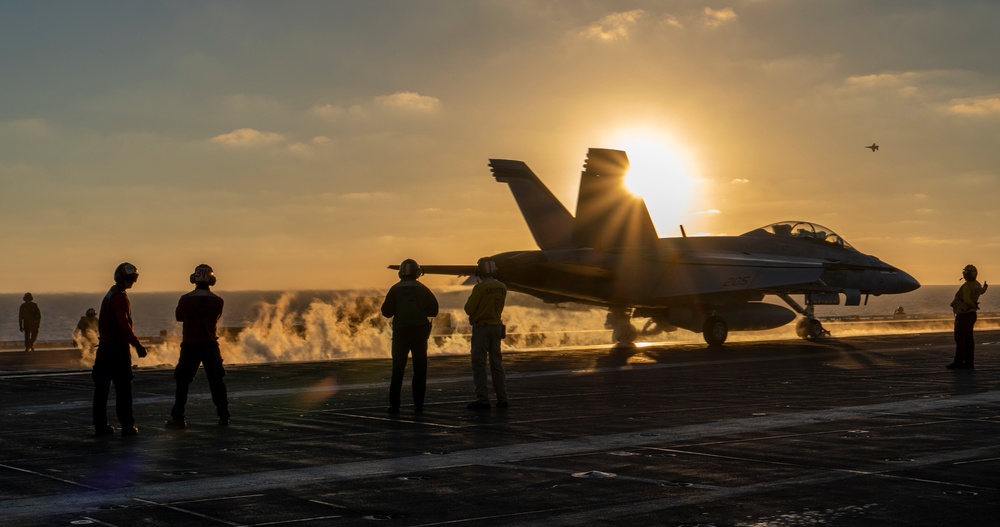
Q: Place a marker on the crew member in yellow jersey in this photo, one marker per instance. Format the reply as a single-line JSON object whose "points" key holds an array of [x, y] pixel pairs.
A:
{"points": [[965, 305], [484, 307]]}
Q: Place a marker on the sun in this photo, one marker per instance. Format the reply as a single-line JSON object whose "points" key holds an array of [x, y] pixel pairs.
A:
{"points": [[662, 173]]}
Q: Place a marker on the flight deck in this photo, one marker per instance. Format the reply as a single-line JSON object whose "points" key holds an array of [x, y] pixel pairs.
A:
{"points": [[849, 431]]}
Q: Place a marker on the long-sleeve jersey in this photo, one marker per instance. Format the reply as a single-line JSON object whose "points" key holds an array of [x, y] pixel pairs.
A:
{"points": [[115, 321], [29, 315], [485, 304], [200, 311], [967, 297], [410, 304]]}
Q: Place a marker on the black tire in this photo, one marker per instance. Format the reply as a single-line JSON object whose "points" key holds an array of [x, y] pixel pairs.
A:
{"points": [[715, 331], [625, 335], [810, 328]]}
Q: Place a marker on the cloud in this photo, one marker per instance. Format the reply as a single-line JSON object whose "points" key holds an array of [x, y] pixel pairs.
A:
{"points": [[367, 196], [672, 21], [327, 111], [927, 240], [714, 18], [975, 106], [739, 181], [710, 212], [615, 26], [310, 146], [247, 137], [408, 100], [27, 127], [884, 79]]}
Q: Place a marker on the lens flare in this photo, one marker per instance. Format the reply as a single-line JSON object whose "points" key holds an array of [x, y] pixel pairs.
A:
{"points": [[663, 173]]}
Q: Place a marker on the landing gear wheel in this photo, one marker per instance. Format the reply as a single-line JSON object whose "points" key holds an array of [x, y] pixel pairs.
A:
{"points": [[624, 335], [715, 331], [810, 328]]}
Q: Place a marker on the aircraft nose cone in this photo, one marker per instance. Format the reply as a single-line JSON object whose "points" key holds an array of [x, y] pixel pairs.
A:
{"points": [[905, 283]]}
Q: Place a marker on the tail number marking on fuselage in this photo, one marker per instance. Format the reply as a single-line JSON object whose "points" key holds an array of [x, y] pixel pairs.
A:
{"points": [[736, 281]]}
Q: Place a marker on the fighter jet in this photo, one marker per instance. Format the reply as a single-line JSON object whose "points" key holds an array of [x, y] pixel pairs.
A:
{"points": [[874, 147], [609, 255]]}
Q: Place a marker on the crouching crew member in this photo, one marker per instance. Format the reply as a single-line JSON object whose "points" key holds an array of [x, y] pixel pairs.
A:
{"points": [[965, 305], [411, 305], [113, 363], [199, 311], [484, 307]]}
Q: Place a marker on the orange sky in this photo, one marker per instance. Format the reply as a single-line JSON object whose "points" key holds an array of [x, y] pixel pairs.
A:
{"points": [[309, 145]]}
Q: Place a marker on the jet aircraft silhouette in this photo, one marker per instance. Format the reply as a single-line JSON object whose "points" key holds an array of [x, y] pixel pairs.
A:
{"points": [[874, 147], [609, 255]]}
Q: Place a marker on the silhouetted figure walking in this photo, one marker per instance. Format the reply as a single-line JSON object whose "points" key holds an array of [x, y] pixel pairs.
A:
{"points": [[200, 311], [29, 318], [113, 364], [965, 305], [410, 304], [484, 307]]}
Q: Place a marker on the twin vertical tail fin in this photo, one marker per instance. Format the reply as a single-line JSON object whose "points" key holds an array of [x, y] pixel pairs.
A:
{"points": [[607, 215], [550, 223]]}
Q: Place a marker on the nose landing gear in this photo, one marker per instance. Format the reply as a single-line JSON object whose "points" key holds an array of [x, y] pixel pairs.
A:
{"points": [[808, 327]]}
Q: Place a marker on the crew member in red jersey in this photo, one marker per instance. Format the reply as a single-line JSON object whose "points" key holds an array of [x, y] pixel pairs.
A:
{"points": [[113, 364], [200, 311]]}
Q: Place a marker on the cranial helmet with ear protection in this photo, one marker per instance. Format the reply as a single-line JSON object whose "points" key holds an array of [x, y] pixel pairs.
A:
{"points": [[126, 272], [486, 267], [410, 269], [203, 274], [91, 312], [970, 272]]}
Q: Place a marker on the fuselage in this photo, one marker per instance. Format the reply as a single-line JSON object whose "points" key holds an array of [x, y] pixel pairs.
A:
{"points": [[724, 269]]}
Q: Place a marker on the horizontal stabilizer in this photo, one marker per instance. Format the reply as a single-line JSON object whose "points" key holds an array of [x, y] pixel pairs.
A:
{"points": [[550, 223], [451, 270]]}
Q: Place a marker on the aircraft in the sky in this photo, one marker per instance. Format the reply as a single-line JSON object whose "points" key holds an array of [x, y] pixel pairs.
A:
{"points": [[609, 255], [874, 147]]}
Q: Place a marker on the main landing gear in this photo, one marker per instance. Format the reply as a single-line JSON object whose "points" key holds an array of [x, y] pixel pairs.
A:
{"points": [[808, 327], [619, 321]]}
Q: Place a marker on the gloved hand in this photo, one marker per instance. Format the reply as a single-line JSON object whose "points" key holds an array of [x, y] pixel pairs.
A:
{"points": [[140, 350]]}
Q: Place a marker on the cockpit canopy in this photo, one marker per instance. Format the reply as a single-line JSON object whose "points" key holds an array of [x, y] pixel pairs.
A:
{"points": [[802, 229]]}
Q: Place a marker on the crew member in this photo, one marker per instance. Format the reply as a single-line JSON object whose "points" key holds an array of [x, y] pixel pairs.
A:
{"points": [[29, 317], [113, 364], [411, 305], [199, 311], [85, 334], [484, 307], [965, 305]]}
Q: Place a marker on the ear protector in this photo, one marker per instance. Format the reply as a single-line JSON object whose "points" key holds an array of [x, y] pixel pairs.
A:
{"points": [[486, 267], [410, 269], [126, 272], [203, 274]]}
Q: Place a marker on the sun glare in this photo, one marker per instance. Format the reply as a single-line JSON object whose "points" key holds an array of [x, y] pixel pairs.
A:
{"points": [[661, 173]]}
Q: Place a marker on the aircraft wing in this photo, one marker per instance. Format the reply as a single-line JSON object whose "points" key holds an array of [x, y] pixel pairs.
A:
{"points": [[714, 273], [452, 270]]}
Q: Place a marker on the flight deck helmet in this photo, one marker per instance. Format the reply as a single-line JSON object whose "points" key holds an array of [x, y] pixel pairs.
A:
{"points": [[970, 272], [28, 297], [91, 312], [410, 269], [126, 272], [203, 274], [486, 267]]}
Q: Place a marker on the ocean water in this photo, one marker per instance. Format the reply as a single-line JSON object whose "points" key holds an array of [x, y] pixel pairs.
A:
{"points": [[318, 325]]}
